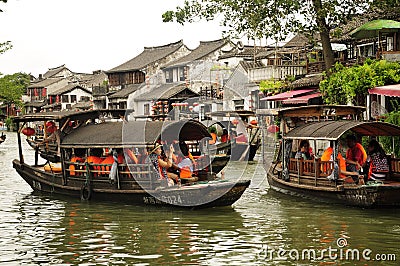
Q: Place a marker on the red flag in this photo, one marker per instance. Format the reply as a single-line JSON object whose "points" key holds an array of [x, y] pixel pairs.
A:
{"points": [[44, 90]]}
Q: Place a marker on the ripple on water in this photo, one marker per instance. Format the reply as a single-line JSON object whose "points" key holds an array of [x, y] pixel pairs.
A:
{"points": [[47, 230]]}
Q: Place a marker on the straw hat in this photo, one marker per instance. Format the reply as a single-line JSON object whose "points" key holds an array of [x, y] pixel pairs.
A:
{"points": [[156, 147]]}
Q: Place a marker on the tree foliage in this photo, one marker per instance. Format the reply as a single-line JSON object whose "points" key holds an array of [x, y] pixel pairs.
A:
{"points": [[12, 87], [4, 1], [275, 19], [387, 142], [273, 86], [351, 84], [5, 46]]}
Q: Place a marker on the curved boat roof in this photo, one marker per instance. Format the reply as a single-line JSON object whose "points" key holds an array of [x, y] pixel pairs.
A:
{"points": [[88, 114], [333, 130], [314, 111], [118, 134]]}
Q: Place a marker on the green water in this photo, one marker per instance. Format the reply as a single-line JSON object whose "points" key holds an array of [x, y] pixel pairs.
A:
{"points": [[48, 230]]}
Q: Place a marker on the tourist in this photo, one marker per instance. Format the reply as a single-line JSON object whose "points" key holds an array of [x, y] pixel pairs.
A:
{"points": [[340, 164], [377, 163], [131, 156], [304, 151], [162, 164], [355, 154]]}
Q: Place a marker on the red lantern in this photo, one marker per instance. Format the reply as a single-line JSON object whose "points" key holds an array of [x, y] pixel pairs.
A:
{"points": [[273, 129], [51, 129], [28, 131], [50, 123], [254, 122]]}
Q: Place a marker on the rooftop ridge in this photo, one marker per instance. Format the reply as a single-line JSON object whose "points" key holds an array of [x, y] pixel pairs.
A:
{"points": [[180, 42]]}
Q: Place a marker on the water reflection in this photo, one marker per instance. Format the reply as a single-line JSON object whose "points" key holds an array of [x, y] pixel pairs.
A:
{"points": [[45, 230]]}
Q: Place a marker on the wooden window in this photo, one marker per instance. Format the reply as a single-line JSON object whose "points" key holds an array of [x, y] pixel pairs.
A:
{"points": [[147, 109], [73, 98], [168, 76], [65, 98], [181, 73]]}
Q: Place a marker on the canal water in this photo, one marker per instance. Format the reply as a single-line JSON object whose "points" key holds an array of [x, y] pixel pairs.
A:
{"points": [[262, 228]]}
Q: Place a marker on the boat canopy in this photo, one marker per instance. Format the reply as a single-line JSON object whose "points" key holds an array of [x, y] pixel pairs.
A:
{"points": [[241, 113], [314, 111], [120, 134], [333, 130], [222, 124], [72, 115]]}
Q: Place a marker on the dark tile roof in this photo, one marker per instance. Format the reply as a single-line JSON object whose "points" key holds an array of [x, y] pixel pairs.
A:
{"points": [[82, 105], [307, 81], [95, 79], [68, 88], [164, 91], [299, 40], [125, 92], [35, 104], [148, 56], [44, 82], [54, 71], [204, 49], [246, 52], [251, 64]]}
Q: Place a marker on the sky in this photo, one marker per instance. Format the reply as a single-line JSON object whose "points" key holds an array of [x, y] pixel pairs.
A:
{"points": [[89, 35]]}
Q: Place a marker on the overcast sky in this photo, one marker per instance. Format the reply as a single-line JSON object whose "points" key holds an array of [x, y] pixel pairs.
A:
{"points": [[88, 35]]}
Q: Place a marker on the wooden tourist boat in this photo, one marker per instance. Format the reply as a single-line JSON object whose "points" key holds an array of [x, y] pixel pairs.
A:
{"points": [[135, 183], [240, 148], [321, 180]]}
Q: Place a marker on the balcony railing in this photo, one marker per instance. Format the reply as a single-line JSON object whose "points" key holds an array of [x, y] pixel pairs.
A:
{"points": [[275, 72]]}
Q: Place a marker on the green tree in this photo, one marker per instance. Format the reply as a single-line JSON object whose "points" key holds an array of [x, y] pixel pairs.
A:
{"points": [[4, 1], [12, 87], [351, 84], [5, 45], [387, 142], [273, 18]]}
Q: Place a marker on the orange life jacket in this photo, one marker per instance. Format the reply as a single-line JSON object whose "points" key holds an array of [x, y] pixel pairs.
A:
{"points": [[110, 160], [72, 167]]}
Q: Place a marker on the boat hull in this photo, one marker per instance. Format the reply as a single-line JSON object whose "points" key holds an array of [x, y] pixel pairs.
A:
{"points": [[212, 194], [361, 196]]}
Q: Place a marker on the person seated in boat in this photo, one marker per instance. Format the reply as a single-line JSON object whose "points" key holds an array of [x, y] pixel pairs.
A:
{"points": [[304, 151], [340, 164], [213, 132], [52, 137], [377, 163], [162, 163], [131, 155], [355, 154], [186, 164], [224, 136], [78, 157]]}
